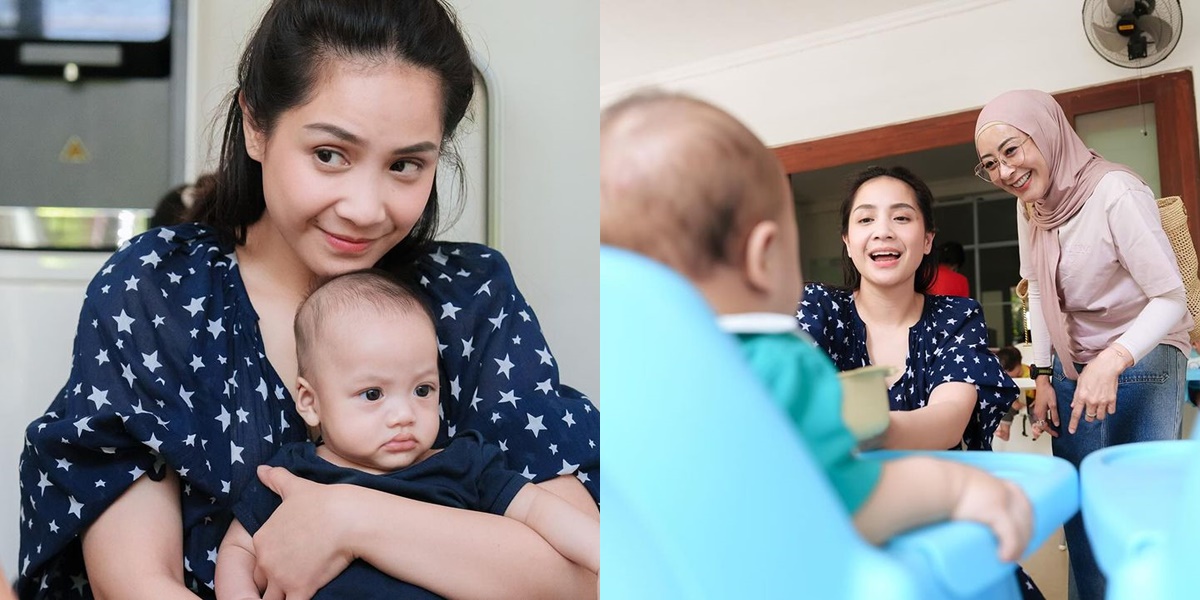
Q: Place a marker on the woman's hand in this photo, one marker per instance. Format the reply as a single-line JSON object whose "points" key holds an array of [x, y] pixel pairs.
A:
{"points": [[301, 547], [1045, 406], [1096, 390]]}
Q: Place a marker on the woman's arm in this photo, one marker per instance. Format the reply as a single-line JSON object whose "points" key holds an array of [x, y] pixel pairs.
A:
{"points": [[235, 565], [135, 548], [573, 534], [319, 530], [936, 426], [6, 592]]}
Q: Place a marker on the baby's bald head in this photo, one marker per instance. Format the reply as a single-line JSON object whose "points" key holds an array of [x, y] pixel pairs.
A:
{"points": [[681, 181]]}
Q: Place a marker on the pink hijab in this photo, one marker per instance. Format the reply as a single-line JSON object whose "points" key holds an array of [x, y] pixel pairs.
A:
{"points": [[1074, 172]]}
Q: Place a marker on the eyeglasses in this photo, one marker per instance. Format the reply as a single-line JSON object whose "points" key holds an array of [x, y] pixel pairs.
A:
{"points": [[1011, 155]]}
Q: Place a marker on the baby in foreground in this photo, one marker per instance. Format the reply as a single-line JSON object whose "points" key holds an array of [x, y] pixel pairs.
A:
{"points": [[686, 184]]}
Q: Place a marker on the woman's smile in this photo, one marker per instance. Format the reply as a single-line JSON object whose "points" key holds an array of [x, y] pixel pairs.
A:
{"points": [[347, 244]]}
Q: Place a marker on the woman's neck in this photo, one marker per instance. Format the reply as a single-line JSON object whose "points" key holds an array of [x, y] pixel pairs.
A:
{"points": [[267, 262], [898, 306]]}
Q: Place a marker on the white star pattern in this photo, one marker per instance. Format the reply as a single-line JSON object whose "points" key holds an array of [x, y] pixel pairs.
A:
{"points": [[150, 361], [933, 359], [498, 320], [76, 507], [535, 424], [98, 397], [505, 366], [195, 307], [215, 328], [151, 259], [509, 397], [123, 322]]}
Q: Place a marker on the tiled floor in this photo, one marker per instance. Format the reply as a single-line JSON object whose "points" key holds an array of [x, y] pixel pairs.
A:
{"points": [[1048, 565]]}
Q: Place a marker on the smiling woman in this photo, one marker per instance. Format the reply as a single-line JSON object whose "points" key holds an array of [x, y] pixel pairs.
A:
{"points": [[1107, 309], [948, 390], [184, 376]]}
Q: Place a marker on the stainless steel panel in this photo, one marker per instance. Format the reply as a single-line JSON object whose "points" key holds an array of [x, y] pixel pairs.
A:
{"points": [[123, 126], [69, 228]]}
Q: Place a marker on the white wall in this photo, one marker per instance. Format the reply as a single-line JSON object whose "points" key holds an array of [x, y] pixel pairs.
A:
{"points": [[543, 63], [940, 58]]}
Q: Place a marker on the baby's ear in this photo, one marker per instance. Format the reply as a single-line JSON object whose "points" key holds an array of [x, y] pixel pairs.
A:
{"points": [[306, 403], [759, 255]]}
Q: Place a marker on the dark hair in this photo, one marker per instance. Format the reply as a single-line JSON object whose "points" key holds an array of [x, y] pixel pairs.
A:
{"points": [[1010, 357], [375, 288], [175, 206], [952, 253], [280, 67], [927, 271]]}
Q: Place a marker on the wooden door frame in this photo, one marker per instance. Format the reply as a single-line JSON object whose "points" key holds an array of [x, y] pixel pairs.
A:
{"points": [[1173, 95]]}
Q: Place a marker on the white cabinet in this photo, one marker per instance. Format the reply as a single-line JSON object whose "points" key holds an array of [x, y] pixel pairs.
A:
{"points": [[41, 293]]}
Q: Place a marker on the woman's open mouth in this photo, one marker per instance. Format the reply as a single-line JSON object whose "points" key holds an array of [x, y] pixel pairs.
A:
{"points": [[884, 257]]}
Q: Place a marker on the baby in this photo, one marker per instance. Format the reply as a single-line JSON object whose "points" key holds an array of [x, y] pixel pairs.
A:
{"points": [[1010, 361], [686, 184], [369, 382]]}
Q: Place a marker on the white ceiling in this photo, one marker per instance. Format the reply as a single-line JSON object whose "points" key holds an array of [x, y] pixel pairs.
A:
{"points": [[641, 37]]}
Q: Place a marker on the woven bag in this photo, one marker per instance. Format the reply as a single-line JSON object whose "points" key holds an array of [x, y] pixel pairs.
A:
{"points": [[1175, 224]]}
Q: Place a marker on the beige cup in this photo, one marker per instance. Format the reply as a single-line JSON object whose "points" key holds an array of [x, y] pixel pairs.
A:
{"points": [[865, 407]]}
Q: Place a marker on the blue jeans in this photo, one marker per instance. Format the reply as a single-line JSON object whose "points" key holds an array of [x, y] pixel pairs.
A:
{"points": [[1150, 397]]}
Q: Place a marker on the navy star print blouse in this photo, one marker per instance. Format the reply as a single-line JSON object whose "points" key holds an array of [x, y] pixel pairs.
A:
{"points": [[168, 371], [948, 343]]}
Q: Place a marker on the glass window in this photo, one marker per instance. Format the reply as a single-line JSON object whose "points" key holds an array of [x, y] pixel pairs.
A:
{"points": [[1125, 135], [955, 222], [997, 220]]}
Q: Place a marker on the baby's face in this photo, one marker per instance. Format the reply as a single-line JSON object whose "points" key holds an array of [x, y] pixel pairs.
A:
{"points": [[376, 386]]}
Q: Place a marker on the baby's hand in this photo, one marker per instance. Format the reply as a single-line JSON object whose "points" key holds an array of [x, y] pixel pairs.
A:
{"points": [[1003, 430], [1002, 506]]}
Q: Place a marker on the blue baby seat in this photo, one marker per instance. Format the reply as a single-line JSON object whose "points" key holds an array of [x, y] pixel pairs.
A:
{"points": [[1139, 503], [708, 493]]}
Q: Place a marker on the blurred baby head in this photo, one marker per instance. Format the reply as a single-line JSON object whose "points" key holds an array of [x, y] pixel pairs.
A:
{"points": [[684, 183]]}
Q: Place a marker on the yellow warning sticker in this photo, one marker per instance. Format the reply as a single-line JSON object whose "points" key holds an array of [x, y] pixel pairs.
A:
{"points": [[74, 152]]}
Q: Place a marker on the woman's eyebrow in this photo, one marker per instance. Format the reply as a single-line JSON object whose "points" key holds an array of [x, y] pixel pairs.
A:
{"points": [[336, 132], [1002, 143], [353, 139]]}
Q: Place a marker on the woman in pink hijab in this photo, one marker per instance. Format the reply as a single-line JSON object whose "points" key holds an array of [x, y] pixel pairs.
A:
{"points": [[1107, 308]]}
